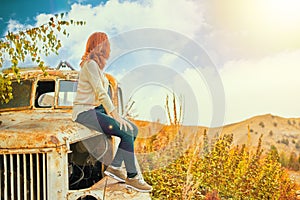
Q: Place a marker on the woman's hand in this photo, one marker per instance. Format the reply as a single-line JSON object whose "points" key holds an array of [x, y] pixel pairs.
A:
{"points": [[122, 122]]}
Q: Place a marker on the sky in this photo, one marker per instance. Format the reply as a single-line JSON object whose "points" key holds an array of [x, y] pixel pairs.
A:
{"points": [[225, 61]]}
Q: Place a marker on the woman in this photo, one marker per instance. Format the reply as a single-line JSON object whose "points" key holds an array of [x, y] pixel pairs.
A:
{"points": [[94, 109]]}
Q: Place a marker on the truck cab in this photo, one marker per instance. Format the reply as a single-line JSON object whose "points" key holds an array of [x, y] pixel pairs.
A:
{"points": [[43, 153]]}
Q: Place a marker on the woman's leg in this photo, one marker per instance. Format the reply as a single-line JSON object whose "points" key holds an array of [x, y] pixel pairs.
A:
{"points": [[103, 123], [119, 157], [125, 150], [126, 156]]}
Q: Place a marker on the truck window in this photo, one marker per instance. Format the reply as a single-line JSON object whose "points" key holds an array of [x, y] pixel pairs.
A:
{"points": [[21, 95], [45, 94], [67, 92]]}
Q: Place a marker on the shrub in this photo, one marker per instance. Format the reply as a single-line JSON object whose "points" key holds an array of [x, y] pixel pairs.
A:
{"points": [[232, 172], [271, 133], [283, 159], [285, 141], [297, 145], [261, 124], [293, 163]]}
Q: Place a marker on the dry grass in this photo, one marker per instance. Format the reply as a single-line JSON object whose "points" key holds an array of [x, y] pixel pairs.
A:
{"points": [[171, 162]]}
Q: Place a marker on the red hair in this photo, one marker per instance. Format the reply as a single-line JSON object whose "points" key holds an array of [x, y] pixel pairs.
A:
{"points": [[97, 49]]}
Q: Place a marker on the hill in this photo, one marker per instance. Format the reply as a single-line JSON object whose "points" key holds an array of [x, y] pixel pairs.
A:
{"points": [[283, 133]]}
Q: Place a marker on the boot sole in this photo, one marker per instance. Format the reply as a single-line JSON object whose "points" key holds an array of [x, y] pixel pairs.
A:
{"points": [[114, 176], [137, 189]]}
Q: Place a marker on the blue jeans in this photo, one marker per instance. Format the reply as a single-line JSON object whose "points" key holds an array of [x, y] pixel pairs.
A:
{"points": [[98, 120]]}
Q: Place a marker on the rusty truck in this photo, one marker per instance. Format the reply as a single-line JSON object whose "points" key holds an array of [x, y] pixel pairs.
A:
{"points": [[43, 153]]}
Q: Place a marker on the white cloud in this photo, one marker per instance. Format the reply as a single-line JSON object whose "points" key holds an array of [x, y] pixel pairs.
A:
{"points": [[269, 85], [166, 71], [14, 25], [150, 103], [189, 88], [115, 17], [202, 94]]}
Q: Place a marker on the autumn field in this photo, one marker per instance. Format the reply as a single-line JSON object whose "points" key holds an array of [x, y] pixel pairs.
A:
{"points": [[254, 159]]}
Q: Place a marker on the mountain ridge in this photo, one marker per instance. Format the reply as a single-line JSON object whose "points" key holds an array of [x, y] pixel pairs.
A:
{"points": [[281, 132]]}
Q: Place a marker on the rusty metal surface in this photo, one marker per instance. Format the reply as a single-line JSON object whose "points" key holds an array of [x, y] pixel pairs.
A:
{"points": [[109, 189], [113, 190], [37, 73], [40, 129]]}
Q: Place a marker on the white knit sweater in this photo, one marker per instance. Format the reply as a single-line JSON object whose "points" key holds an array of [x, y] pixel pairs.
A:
{"points": [[91, 90]]}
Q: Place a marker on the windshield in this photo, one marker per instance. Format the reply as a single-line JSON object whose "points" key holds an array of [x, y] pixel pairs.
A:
{"points": [[21, 95], [67, 91]]}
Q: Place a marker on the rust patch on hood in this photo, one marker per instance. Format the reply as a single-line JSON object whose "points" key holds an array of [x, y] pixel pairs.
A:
{"points": [[39, 129]]}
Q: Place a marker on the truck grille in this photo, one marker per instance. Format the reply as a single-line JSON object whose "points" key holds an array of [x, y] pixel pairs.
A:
{"points": [[23, 176]]}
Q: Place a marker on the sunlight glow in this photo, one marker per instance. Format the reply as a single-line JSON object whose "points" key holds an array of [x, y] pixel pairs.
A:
{"points": [[285, 12]]}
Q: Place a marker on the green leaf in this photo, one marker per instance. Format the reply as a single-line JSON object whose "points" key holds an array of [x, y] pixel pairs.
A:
{"points": [[31, 42]]}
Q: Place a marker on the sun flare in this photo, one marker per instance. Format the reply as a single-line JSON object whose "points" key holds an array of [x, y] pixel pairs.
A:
{"points": [[285, 12]]}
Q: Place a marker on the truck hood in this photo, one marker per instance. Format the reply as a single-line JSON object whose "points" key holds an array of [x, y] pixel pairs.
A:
{"points": [[40, 129]]}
